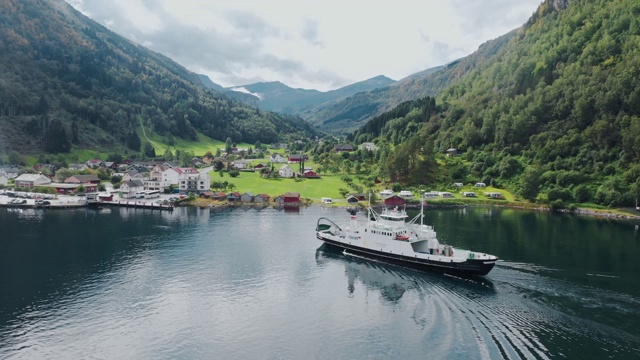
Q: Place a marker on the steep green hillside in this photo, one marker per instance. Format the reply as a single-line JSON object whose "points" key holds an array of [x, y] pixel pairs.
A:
{"points": [[66, 80], [554, 111]]}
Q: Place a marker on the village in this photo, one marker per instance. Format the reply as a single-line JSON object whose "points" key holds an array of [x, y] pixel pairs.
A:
{"points": [[143, 183]]}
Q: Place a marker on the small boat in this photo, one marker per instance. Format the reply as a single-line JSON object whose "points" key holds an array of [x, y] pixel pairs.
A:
{"points": [[389, 237]]}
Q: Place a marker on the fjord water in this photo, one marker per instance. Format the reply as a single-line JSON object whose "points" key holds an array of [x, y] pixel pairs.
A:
{"points": [[256, 284]]}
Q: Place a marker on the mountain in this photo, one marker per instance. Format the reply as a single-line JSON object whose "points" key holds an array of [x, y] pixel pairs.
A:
{"points": [[276, 96], [67, 81], [553, 112], [246, 98], [352, 112], [206, 82]]}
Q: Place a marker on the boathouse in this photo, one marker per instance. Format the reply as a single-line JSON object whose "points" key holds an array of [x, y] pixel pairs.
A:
{"points": [[395, 200], [291, 198]]}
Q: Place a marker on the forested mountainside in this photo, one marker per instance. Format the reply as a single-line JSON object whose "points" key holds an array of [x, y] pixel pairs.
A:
{"points": [[276, 96], [556, 110], [65, 79], [350, 113]]}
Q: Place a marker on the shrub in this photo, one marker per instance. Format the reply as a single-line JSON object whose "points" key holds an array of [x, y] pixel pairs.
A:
{"points": [[559, 194], [581, 193], [557, 205]]}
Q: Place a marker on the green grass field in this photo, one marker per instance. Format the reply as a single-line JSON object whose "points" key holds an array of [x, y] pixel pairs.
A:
{"points": [[329, 186], [199, 147], [315, 189]]}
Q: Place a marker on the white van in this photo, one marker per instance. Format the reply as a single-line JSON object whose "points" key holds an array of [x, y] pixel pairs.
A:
{"points": [[327, 200]]}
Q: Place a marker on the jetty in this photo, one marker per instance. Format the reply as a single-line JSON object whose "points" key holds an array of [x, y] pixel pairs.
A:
{"points": [[134, 204]]}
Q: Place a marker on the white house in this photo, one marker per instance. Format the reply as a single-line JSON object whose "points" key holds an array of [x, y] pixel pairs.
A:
{"points": [[4, 180], [31, 180], [277, 158], [10, 171], [134, 175], [368, 146], [286, 171], [191, 180], [130, 188], [156, 173], [239, 164], [172, 176]]}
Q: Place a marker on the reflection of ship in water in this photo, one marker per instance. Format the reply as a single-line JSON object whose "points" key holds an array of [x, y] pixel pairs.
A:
{"points": [[391, 280]]}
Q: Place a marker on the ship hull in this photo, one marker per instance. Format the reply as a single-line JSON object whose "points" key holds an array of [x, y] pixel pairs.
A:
{"points": [[467, 267]]}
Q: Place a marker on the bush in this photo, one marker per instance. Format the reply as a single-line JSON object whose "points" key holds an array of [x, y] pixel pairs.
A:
{"points": [[581, 193], [559, 194], [557, 205], [396, 187]]}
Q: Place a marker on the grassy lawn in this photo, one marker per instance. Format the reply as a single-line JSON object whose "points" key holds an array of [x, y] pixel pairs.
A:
{"points": [[315, 189], [199, 147]]}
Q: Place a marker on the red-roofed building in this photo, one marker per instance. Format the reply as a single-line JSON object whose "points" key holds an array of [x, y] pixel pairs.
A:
{"points": [[291, 198], [262, 198], [395, 200], [310, 174], [296, 158]]}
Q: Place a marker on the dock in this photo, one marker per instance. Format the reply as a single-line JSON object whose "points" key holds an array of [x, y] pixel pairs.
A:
{"points": [[135, 204]]}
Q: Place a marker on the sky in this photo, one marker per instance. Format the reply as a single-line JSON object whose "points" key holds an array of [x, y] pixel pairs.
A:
{"points": [[309, 44]]}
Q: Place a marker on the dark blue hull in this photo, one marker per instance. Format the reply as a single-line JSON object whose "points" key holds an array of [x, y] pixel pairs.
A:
{"points": [[468, 267]]}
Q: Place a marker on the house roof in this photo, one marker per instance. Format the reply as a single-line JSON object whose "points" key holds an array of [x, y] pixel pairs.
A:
{"points": [[291, 194], [133, 183], [189, 170], [83, 178], [30, 177], [298, 156], [343, 147]]}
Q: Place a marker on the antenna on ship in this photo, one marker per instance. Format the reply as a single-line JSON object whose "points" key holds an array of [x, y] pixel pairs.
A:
{"points": [[421, 212], [369, 209]]}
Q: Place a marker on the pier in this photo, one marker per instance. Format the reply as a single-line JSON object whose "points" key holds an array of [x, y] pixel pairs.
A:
{"points": [[134, 204]]}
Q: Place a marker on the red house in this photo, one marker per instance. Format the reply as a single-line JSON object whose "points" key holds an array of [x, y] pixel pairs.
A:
{"points": [[395, 200], [291, 198], [105, 197], [294, 158], [219, 196], [310, 174]]}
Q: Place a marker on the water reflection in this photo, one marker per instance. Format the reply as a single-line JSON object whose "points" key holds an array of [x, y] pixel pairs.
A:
{"points": [[394, 281]]}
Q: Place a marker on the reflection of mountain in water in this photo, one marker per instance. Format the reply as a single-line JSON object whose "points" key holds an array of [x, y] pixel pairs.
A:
{"points": [[392, 281]]}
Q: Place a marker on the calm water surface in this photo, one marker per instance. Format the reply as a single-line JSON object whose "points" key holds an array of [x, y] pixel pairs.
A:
{"points": [[256, 284]]}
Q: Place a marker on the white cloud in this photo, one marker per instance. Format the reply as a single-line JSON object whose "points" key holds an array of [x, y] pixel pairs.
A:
{"points": [[246, 91], [309, 43]]}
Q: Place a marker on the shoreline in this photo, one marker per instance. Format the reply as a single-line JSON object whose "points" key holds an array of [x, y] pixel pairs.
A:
{"points": [[431, 206]]}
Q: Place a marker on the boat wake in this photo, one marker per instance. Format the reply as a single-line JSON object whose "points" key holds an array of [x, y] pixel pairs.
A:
{"points": [[516, 312]]}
